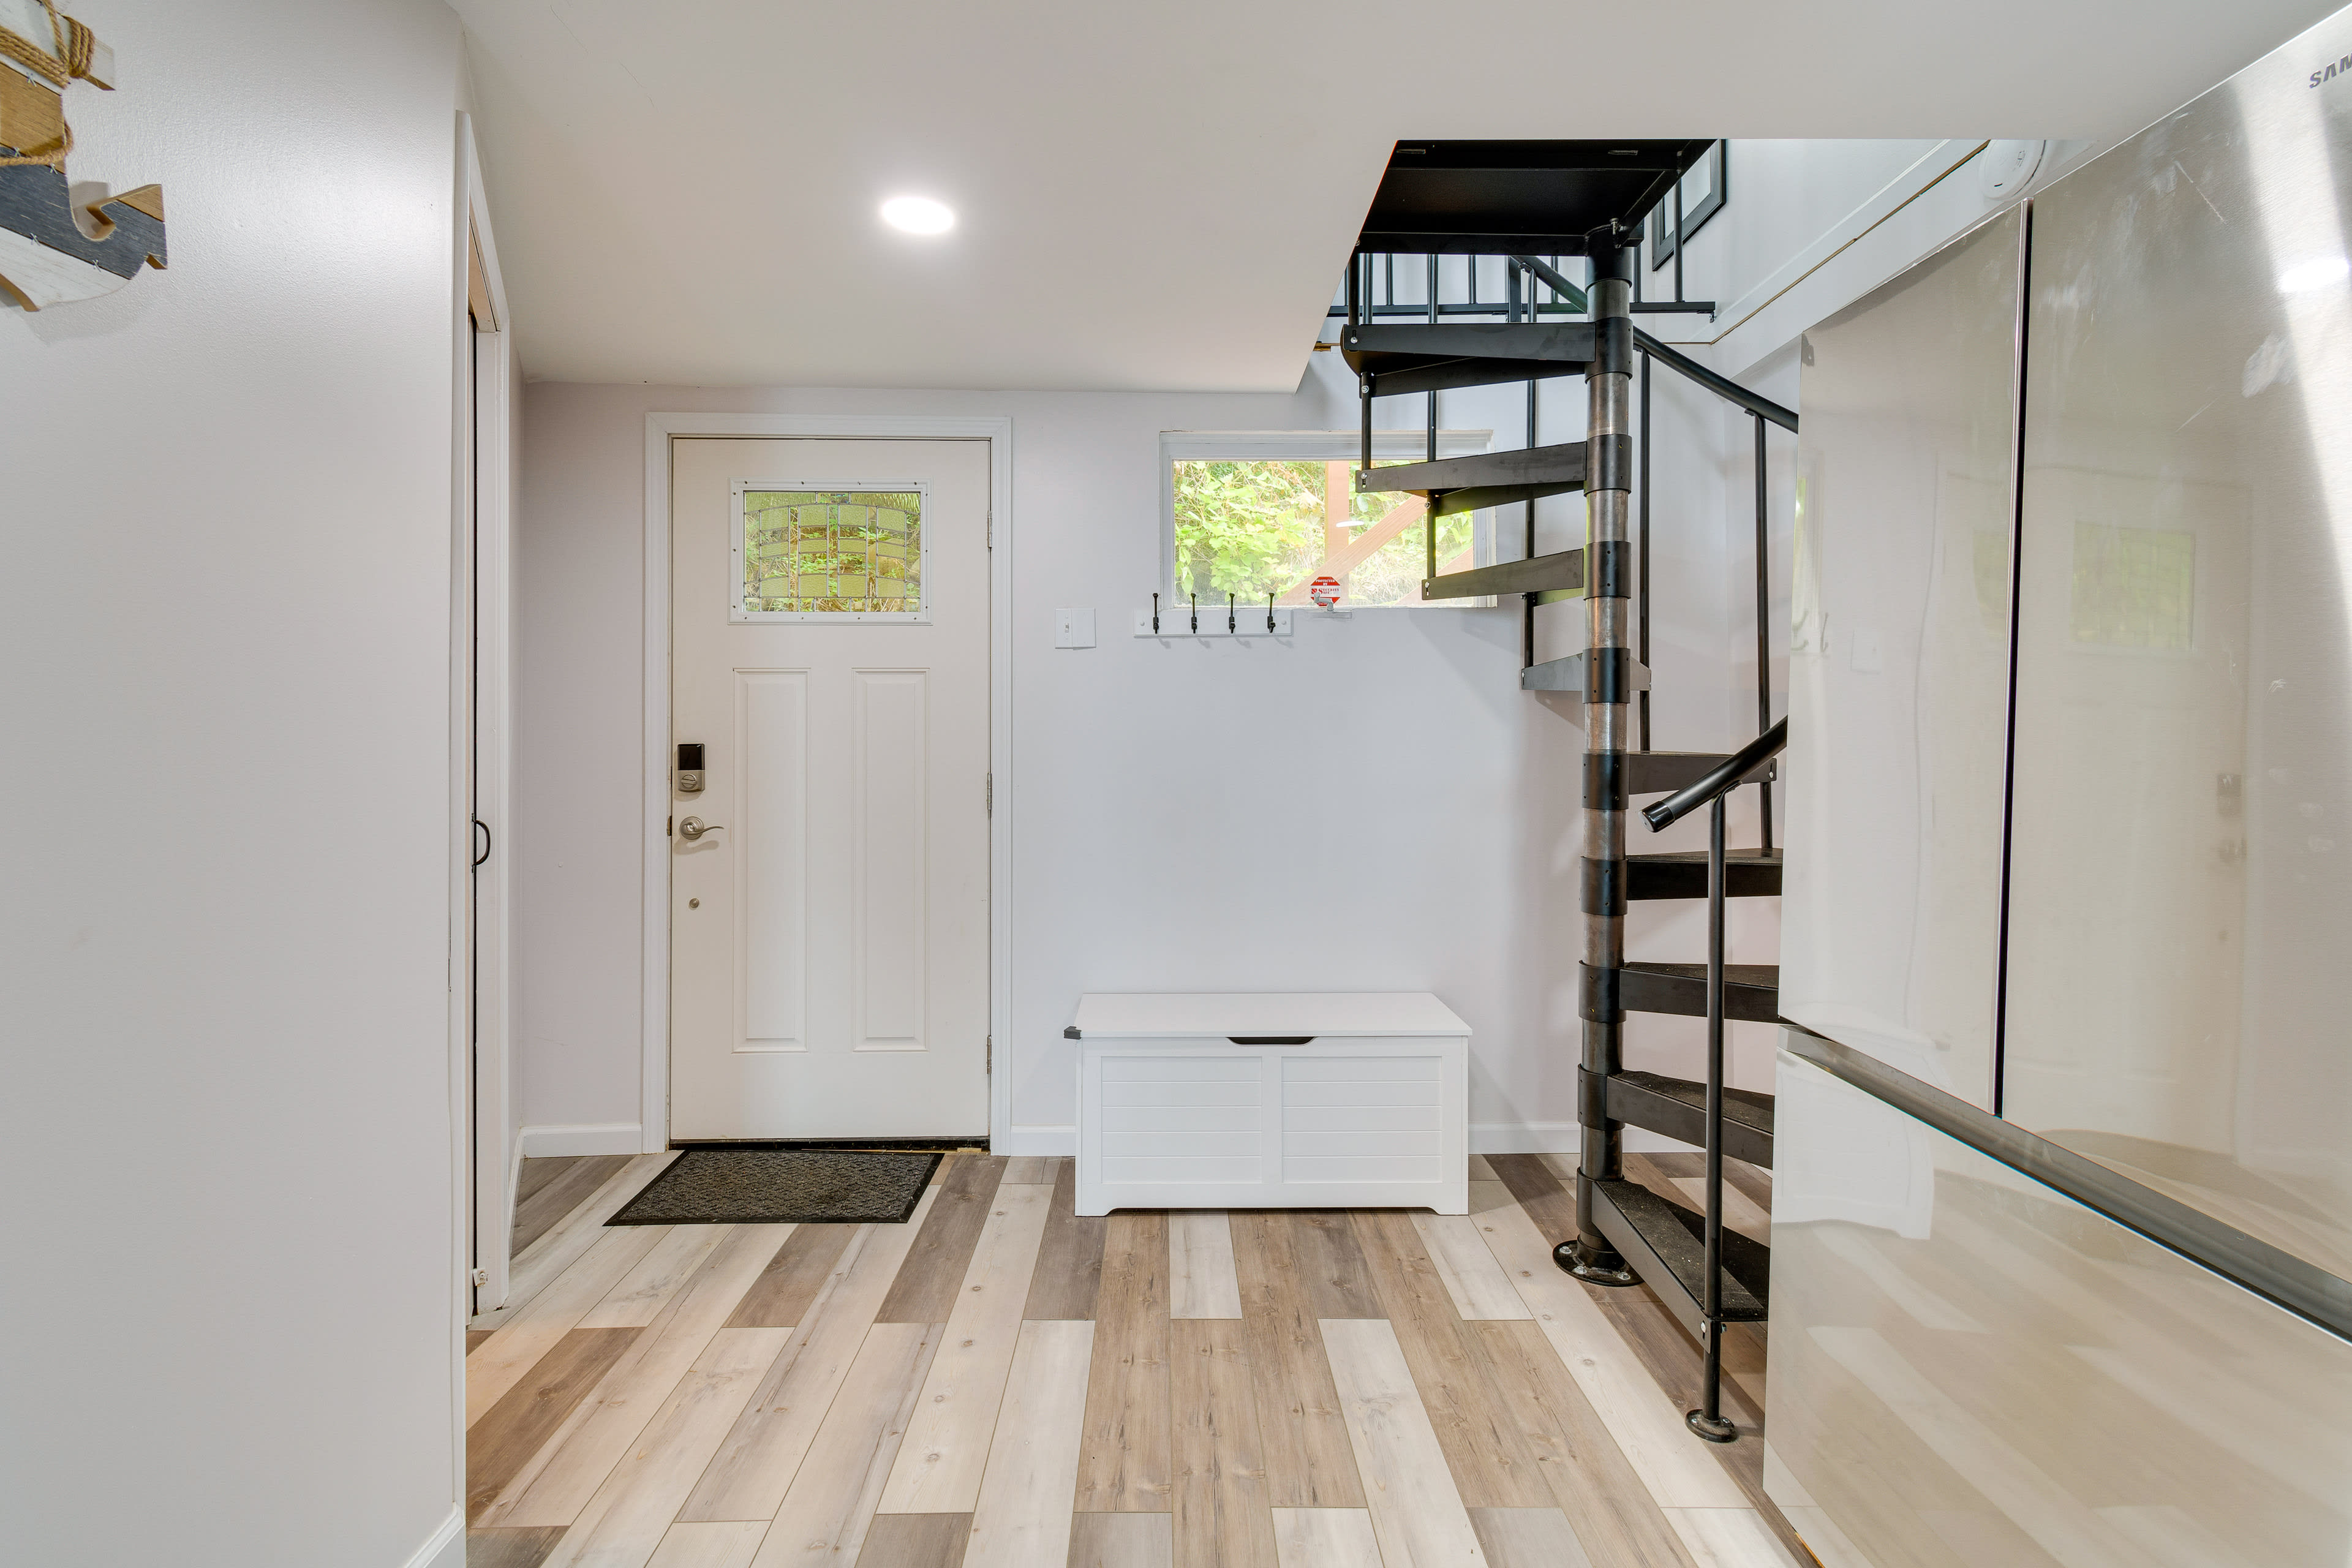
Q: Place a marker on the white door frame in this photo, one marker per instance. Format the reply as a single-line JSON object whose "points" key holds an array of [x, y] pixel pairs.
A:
{"points": [[661, 429], [484, 380]]}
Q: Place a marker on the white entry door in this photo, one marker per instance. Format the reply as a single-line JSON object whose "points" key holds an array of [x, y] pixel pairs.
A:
{"points": [[829, 925]]}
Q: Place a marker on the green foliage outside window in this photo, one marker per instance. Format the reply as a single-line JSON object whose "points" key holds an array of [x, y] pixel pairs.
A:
{"points": [[1254, 528]]}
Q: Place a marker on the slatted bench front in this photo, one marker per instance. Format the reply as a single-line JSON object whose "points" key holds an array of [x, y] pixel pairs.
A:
{"points": [[1351, 1099]]}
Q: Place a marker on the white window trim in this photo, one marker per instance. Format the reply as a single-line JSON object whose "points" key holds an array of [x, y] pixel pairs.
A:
{"points": [[1314, 447]]}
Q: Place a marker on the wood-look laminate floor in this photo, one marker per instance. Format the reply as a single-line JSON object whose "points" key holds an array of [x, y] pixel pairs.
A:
{"points": [[1000, 1384]]}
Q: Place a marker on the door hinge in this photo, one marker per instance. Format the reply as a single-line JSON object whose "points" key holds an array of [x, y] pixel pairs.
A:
{"points": [[988, 1060], [990, 794], [669, 827], [481, 1276], [991, 528]]}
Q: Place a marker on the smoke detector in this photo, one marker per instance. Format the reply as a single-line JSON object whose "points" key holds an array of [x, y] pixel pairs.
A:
{"points": [[2004, 167]]}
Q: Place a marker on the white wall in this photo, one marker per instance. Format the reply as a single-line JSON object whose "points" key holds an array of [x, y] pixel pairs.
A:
{"points": [[1200, 817], [228, 1331], [1812, 226], [1375, 805]]}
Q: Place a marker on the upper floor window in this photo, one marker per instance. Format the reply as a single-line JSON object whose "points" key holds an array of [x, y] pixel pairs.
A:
{"points": [[1703, 193]]}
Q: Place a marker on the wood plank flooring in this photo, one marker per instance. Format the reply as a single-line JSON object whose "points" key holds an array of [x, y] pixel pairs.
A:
{"points": [[1002, 1383], [549, 1189]]}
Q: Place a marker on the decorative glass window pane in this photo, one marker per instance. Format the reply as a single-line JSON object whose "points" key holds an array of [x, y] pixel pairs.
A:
{"points": [[849, 552], [1255, 527]]}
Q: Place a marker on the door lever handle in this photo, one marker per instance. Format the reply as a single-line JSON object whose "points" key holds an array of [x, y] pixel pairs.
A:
{"points": [[694, 828]]}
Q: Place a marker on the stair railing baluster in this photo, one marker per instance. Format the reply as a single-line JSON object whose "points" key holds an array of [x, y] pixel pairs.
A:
{"points": [[1512, 269], [1763, 626], [1641, 570], [1708, 1419], [1429, 513], [1678, 241]]}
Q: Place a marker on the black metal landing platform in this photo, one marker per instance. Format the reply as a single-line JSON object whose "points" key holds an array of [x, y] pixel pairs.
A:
{"points": [[1501, 197]]}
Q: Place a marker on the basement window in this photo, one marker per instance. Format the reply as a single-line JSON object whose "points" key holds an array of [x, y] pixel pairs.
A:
{"points": [[1268, 512]]}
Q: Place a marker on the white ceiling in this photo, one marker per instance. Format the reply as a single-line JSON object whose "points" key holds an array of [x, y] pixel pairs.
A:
{"points": [[1156, 195]]}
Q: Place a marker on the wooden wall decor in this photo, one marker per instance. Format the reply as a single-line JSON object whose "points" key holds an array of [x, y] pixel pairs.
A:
{"points": [[50, 255]]}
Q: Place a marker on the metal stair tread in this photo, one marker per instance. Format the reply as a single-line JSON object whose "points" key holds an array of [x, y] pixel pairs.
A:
{"points": [[1751, 1108], [1567, 675], [1479, 479], [1682, 874], [1761, 976], [1667, 1248], [1677, 1108], [1408, 357], [1751, 991], [1562, 572]]}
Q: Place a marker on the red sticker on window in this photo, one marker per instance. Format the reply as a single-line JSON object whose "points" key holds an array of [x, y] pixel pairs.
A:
{"points": [[1325, 592]]}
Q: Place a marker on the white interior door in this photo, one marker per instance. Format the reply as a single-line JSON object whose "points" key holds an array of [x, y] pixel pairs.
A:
{"points": [[829, 923]]}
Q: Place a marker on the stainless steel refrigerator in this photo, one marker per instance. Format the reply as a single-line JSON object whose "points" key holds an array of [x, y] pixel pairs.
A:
{"points": [[2070, 850]]}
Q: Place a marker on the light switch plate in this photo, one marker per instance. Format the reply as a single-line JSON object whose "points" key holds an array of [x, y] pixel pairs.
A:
{"points": [[1866, 655], [1073, 628]]}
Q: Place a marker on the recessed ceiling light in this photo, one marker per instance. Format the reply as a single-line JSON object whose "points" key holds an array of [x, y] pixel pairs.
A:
{"points": [[919, 215]]}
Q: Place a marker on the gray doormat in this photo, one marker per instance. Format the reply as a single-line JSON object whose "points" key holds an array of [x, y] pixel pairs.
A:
{"points": [[775, 1186]]}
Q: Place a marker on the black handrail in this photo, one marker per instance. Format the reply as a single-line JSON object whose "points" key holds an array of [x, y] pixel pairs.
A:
{"points": [[1722, 387], [1725, 774]]}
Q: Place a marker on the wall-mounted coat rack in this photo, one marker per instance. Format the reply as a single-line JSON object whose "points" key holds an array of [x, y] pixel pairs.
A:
{"points": [[1190, 618]]}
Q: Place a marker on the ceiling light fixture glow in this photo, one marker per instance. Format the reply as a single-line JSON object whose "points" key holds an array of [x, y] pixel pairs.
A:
{"points": [[918, 215]]}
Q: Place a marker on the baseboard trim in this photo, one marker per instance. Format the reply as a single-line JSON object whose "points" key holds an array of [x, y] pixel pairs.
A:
{"points": [[445, 1547], [1485, 1138], [580, 1138], [1033, 1139]]}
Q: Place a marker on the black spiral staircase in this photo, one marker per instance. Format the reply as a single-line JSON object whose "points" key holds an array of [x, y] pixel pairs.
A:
{"points": [[1539, 204]]}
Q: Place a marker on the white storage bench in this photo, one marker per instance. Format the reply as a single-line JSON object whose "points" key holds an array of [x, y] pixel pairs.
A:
{"points": [[1272, 1100]]}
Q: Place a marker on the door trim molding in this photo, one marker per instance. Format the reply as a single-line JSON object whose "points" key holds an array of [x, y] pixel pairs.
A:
{"points": [[661, 429], [483, 386]]}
